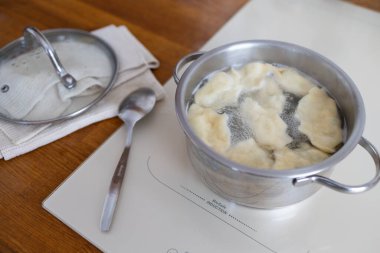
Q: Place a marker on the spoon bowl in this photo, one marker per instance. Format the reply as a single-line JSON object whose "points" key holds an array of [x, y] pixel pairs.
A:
{"points": [[137, 105]]}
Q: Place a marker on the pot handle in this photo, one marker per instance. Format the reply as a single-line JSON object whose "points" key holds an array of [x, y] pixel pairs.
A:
{"points": [[185, 60], [342, 187]]}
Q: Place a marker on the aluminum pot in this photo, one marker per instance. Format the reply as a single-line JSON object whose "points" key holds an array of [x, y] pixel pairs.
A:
{"points": [[265, 188]]}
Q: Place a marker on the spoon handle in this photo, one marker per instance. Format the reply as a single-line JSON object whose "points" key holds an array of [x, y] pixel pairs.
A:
{"points": [[115, 186]]}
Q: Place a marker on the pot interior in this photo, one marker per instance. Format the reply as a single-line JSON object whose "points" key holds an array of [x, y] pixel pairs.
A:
{"points": [[330, 76]]}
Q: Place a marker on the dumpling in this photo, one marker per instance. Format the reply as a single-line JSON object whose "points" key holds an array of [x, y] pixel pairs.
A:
{"points": [[268, 128], [270, 96], [305, 155], [250, 154], [319, 120], [210, 127], [253, 74], [221, 90], [235, 74], [292, 81]]}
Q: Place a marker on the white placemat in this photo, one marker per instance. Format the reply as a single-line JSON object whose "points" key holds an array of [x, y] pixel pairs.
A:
{"points": [[164, 207]]}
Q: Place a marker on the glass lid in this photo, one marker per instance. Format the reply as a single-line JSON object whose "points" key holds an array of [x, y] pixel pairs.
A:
{"points": [[54, 75]]}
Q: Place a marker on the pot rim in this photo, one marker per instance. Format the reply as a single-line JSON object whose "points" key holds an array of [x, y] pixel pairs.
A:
{"points": [[346, 149]]}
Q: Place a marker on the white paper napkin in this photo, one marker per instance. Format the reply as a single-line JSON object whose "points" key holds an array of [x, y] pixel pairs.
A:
{"points": [[134, 71]]}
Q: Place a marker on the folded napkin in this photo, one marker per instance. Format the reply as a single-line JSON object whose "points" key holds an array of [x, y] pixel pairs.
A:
{"points": [[135, 62]]}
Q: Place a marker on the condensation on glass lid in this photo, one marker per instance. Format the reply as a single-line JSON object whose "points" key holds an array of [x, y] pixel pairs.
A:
{"points": [[266, 116], [32, 91]]}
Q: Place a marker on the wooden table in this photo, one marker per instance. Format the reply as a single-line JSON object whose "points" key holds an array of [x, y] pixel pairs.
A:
{"points": [[169, 29]]}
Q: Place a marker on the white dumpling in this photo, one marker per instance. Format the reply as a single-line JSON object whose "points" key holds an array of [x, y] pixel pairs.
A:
{"points": [[268, 128], [270, 96], [221, 90], [293, 82], [319, 120], [210, 127], [235, 74], [250, 154], [305, 155], [253, 73]]}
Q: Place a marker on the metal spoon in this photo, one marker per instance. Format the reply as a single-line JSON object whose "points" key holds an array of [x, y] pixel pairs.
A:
{"points": [[134, 107]]}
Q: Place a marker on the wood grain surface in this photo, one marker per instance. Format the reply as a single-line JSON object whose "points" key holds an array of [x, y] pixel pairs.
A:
{"points": [[169, 29]]}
